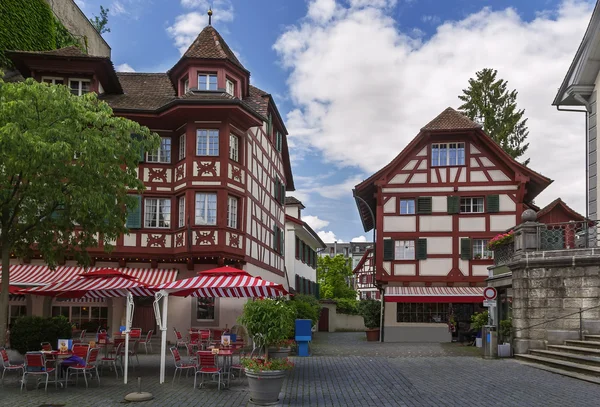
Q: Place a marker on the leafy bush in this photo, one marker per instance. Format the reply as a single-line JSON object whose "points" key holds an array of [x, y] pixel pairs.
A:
{"points": [[28, 333], [347, 306], [506, 329], [268, 321], [371, 313], [305, 307], [260, 364], [478, 320]]}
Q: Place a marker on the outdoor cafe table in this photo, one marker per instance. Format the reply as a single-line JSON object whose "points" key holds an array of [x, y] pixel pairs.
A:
{"points": [[225, 359], [58, 358]]}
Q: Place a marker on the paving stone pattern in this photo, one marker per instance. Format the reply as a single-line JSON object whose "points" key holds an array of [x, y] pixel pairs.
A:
{"points": [[345, 371]]}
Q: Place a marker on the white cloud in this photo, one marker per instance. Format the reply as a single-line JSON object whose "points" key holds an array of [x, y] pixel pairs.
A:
{"points": [[187, 26], [321, 10], [359, 239], [124, 68], [118, 8], [315, 222], [362, 89], [433, 19], [329, 237]]}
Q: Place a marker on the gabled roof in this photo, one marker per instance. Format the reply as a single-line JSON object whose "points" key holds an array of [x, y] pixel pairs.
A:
{"points": [[290, 200], [560, 203], [210, 45], [364, 192], [363, 260], [581, 75], [307, 229], [450, 119]]}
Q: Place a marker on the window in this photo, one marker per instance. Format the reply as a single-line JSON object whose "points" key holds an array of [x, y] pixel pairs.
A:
{"points": [[16, 311], [234, 148], [205, 309], [471, 205], [278, 243], [480, 249], [407, 207], [79, 86], [230, 87], [404, 250], [206, 208], [447, 154], [186, 85], [90, 317], [207, 81], [157, 213], [422, 312], [232, 212], [181, 211], [53, 80], [182, 146], [163, 154], [278, 141], [207, 142]]}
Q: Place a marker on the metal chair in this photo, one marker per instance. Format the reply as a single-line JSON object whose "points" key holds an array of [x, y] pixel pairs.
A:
{"points": [[147, 341], [207, 365], [89, 367], [180, 341], [133, 351], [80, 349], [35, 365], [113, 360], [81, 337], [7, 366], [181, 366]]}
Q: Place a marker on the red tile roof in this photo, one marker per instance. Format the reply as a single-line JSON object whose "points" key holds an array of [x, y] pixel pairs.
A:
{"points": [[210, 45], [450, 119], [559, 202]]}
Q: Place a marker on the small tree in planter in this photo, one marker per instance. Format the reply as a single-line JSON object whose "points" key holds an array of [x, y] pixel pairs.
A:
{"points": [[478, 321], [371, 313], [505, 336], [269, 323]]}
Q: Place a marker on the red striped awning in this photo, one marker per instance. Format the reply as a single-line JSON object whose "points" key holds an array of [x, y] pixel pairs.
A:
{"points": [[27, 274], [434, 294], [238, 286]]}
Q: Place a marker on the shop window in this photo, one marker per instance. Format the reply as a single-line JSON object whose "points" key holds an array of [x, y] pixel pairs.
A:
{"points": [[205, 309]]}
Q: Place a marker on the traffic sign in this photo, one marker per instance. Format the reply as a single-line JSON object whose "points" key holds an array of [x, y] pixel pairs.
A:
{"points": [[489, 303], [490, 293]]}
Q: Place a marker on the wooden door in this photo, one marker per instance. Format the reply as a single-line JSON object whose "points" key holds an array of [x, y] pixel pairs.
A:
{"points": [[324, 320], [143, 315]]}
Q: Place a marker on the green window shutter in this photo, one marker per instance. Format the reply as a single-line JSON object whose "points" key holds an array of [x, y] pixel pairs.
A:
{"points": [[388, 249], [317, 291], [142, 155], [465, 249], [453, 204], [421, 249], [423, 205], [269, 124], [275, 237], [282, 193], [493, 203], [281, 242], [134, 215]]}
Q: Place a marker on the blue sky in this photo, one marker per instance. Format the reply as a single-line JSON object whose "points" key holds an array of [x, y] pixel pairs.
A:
{"points": [[356, 79]]}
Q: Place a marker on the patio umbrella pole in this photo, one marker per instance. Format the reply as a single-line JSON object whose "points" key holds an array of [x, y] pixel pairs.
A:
{"points": [[162, 323], [128, 317]]}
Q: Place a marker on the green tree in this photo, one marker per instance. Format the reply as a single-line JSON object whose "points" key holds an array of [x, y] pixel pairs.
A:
{"points": [[66, 168], [488, 102], [100, 22], [333, 274]]}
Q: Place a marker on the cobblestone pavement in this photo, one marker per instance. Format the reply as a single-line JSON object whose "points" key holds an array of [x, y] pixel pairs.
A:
{"points": [[345, 371]]}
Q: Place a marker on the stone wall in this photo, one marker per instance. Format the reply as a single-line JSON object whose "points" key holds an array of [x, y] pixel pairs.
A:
{"points": [[342, 322], [552, 284]]}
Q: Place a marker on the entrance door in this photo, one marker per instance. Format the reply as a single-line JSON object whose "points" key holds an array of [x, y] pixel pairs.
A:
{"points": [[143, 315], [324, 320]]}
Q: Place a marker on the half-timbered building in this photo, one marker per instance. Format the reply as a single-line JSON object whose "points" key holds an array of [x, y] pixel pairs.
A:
{"points": [[215, 188], [436, 206]]}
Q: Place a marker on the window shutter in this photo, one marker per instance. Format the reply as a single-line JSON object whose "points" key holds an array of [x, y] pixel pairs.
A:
{"points": [[142, 155], [281, 242], [297, 286], [493, 203], [388, 249], [275, 237], [134, 215], [424, 205], [297, 247], [453, 204], [317, 291], [465, 249], [421, 250], [269, 125], [282, 193]]}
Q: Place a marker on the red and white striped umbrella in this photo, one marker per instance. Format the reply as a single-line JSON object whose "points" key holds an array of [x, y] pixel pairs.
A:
{"points": [[100, 283], [227, 285]]}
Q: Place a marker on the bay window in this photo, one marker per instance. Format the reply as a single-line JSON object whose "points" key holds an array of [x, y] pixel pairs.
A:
{"points": [[157, 213], [206, 208]]}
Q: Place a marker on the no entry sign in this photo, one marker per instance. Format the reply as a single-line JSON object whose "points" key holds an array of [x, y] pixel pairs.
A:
{"points": [[490, 293]]}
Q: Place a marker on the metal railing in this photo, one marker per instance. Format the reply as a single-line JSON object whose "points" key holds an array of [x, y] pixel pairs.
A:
{"points": [[504, 254], [580, 312], [568, 235]]}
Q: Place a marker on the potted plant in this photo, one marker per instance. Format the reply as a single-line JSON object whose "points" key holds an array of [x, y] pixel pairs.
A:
{"points": [[478, 321], [504, 350], [371, 313], [281, 349], [269, 323]]}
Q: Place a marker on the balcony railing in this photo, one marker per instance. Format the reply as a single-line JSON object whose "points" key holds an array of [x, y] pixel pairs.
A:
{"points": [[568, 235], [503, 254]]}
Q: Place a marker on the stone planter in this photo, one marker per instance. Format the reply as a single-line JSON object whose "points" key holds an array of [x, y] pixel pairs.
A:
{"points": [[504, 351], [479, 342], [372, 335], [265, 386], [279, 353]]}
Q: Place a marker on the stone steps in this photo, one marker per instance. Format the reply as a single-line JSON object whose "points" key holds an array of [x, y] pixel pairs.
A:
{"points": [[583, 344], [561, 364], [592, 338], [575, 349], [569, 357], [561, 372]]}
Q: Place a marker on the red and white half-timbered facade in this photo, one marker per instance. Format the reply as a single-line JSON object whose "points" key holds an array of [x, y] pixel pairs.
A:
{"points": [[437, 204], [364, 277], [215, 189]]}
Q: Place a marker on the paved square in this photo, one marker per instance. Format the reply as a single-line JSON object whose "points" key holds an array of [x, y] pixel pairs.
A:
{"points": [[346, 371]]}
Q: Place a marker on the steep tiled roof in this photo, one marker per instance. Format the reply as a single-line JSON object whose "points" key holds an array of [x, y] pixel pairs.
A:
{"points": [[258, 100], [144, 91], [71, 51], [450, 119], [210, 45], [290, 200]]}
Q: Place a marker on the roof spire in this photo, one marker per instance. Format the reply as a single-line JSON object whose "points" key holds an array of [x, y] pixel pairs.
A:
{"points": [[210, 16]]}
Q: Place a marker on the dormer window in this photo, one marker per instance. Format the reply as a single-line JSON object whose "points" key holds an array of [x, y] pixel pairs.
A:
{"points": [[53, 80], [186, 85], [207, 81], [230, 87], [447, 154], [79, 86]]}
